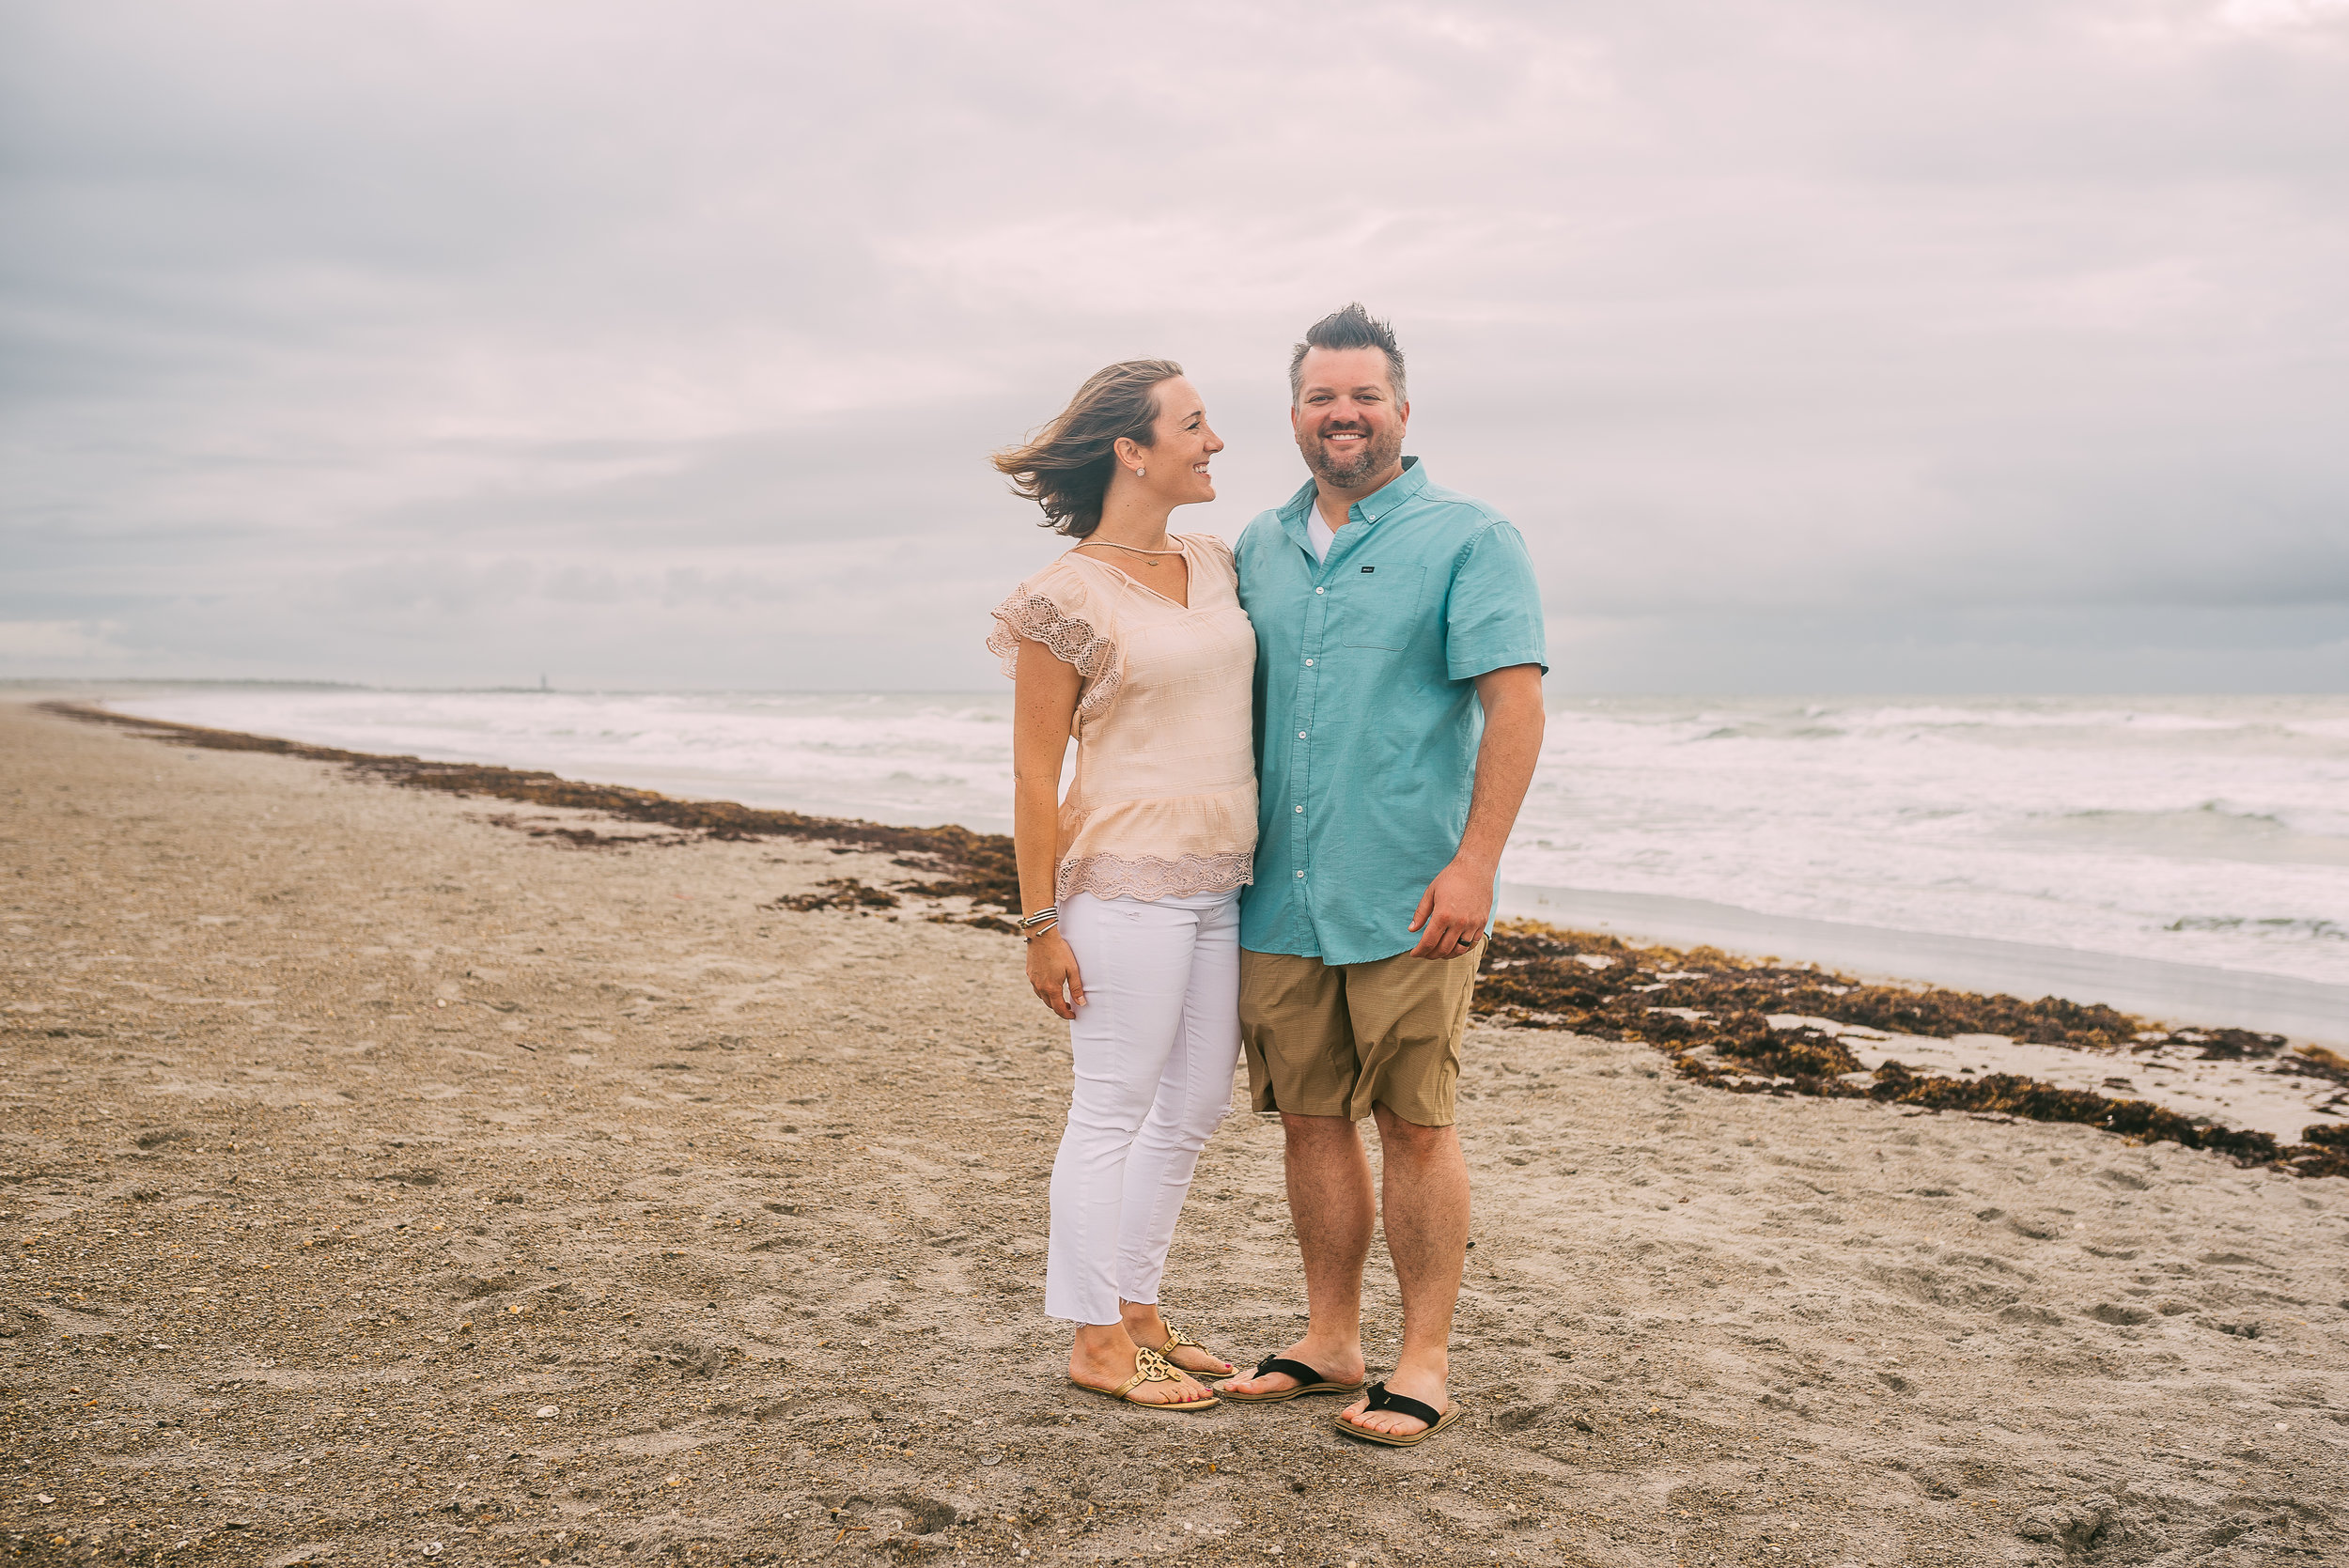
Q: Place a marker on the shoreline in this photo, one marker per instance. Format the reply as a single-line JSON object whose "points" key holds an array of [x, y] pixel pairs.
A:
{"points": [[2097, 872], [2169, 991], [967, 879], [960, 863], [396, 1168], [2180, 995]]}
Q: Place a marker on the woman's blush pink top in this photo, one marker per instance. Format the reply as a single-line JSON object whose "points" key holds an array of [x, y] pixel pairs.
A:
{"points": [[1163, 804]]}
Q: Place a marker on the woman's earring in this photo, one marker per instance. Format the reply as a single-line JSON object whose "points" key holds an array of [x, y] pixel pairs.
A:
{"points": [[1138, 474]]}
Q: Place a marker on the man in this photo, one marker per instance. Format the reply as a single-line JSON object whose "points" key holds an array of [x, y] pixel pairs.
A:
{"points": [[1390, 615]]}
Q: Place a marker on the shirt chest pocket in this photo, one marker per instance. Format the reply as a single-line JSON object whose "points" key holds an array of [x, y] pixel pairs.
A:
{"points": [[1375, 607]]}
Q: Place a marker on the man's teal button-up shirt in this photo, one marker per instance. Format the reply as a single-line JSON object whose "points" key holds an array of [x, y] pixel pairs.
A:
{"points": [[1367, 721]]}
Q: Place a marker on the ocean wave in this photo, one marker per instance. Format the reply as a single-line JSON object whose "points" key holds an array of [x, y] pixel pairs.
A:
{"points": [[2270, 928], [2212, 830]]}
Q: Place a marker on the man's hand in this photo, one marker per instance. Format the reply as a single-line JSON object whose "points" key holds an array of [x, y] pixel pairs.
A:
{"points": [[1454, 910]]}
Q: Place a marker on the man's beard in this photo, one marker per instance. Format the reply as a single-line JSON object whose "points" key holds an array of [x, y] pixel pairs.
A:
{"points": [[1375, 455]]}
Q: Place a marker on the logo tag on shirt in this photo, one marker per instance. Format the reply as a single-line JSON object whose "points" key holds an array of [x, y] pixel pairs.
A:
{"points": [[1370, 568]]}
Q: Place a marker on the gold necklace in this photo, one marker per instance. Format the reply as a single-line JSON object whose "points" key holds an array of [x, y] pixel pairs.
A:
{"points": [[1137, 550]]}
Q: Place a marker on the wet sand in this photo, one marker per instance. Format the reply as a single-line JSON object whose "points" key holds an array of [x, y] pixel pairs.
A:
{"points": [[349, 1128], [2159, 990]]}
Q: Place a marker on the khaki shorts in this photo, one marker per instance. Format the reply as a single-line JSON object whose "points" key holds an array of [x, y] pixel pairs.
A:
{"points": [[1336, 1039]]}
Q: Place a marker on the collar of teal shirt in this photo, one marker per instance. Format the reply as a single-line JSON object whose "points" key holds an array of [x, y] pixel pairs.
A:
{"points": [[1367, 511]]}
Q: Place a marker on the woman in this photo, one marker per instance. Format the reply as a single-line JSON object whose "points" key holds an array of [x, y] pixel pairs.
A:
{"points": [[1134, 643]]}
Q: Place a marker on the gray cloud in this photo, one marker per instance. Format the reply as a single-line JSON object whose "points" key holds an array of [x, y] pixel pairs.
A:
{"points": [[1815, 345]]}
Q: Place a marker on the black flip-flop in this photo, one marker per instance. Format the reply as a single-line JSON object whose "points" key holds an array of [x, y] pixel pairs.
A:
{"points": [[1308, 1382], [1402, 1405]]}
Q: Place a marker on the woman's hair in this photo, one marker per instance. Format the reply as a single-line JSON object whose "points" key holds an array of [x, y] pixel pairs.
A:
{"points": [[1065, 466]]}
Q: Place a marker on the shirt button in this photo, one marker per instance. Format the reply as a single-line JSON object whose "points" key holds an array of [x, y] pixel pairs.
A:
{"points": [[1300, 876], [1309, 664], [1300, 811], [1300, 734], [1321, 590]]}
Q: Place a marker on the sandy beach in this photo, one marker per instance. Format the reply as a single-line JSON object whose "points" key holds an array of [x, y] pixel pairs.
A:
{"points": [[387, 1177]]}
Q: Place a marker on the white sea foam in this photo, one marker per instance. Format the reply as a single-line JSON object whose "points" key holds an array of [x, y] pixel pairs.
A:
{"points": [[2208, 831], [2205, 830]]}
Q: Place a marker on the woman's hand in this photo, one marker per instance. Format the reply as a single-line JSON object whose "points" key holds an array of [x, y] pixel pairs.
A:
{"points": [[1053, 971]]}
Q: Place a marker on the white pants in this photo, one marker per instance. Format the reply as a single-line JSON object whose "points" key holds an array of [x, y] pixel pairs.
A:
{"points": [[1155, 1045]]}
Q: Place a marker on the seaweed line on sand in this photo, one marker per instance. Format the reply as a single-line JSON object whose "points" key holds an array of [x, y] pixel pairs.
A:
{"points": [[1710, 1013], [1705, 1009], [950, 861]]}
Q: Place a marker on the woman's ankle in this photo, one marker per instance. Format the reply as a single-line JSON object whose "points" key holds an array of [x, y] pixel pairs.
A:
{"points": [[1103, 1339]]}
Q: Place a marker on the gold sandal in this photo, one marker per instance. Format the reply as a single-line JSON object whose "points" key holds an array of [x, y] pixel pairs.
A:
{"points": [[1151, 1367], [1178, 1340]]}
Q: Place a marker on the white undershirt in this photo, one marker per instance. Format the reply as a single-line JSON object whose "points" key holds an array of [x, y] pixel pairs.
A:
{"points": [[1319, 535]]}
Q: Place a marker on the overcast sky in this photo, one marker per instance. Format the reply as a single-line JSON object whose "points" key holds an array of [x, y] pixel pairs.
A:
{"points": [[1816, 345]]}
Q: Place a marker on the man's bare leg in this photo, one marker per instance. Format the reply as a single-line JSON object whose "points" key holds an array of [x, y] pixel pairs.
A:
{"points": [[1334, 1208], [1425, 1187]]}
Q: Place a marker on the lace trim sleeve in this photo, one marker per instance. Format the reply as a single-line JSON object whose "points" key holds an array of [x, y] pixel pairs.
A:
{"points": [[1033, 618]]}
